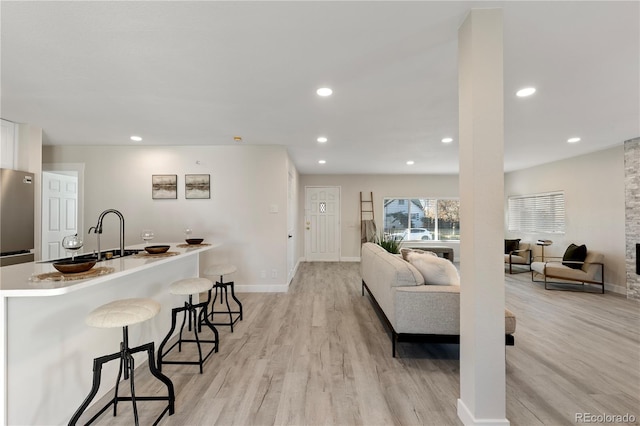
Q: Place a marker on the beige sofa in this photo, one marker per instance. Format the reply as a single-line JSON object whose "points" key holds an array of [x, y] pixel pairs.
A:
{"points": [[412, 310]]}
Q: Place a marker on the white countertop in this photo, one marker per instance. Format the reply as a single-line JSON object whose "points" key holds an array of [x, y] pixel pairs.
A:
{"points": [[15, 280]]}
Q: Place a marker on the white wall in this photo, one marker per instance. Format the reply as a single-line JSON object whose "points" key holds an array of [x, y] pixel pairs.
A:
{"points": [[382, 186], [246, 182], [593, 186], [29, 158]]}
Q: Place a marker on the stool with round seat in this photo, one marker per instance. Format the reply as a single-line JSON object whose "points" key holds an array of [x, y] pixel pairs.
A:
{"points": [[222, 270], [123, 313], [197, 314]]}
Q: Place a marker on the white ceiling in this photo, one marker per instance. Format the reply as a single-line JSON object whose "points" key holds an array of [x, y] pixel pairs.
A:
{"points": [[200, 73]]}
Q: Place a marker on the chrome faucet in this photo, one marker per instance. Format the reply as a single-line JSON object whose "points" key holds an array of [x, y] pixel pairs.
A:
{"points": [[98, 230]]}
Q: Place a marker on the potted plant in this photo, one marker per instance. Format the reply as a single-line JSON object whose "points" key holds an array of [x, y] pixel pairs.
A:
{"points": [[388, 242]]}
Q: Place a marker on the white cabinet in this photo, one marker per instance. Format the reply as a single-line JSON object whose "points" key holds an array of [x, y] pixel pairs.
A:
{"points": [[8, 145]]}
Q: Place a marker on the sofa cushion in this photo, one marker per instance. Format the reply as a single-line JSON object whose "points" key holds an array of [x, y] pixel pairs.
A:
{"points": [[574, 253], [428, 309], [435, 270], [396, 272], [405, 251], [511, 245], [509, 322], [374, 248], [591, 263], [558, 270]]}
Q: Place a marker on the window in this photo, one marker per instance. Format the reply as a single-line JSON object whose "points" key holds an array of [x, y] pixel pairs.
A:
{"points": [[537, 213], [422, 219]]}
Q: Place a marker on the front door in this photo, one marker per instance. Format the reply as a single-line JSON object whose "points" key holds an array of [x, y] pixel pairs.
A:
{"points": [[322, 224]]}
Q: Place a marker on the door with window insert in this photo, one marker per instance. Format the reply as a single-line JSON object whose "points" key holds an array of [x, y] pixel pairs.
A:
{"points": [[322, 224]]}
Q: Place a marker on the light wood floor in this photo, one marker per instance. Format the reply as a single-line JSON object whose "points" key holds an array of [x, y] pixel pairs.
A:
{"points": [[320, 355]]}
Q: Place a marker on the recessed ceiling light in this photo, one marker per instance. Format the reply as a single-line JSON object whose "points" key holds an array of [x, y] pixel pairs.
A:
{"points": [[573, 140], [136, 138], [324, 91], [410, 163], [322, 139], [237, 138], [322, 161], [527, 91], [447, 140]]}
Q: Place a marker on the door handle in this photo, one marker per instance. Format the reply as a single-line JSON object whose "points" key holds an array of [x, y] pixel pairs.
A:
{"points": [[290, 236]]}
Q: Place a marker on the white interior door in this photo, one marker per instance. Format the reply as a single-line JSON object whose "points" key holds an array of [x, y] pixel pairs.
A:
{"points": [[59, 212], [322, 224]]}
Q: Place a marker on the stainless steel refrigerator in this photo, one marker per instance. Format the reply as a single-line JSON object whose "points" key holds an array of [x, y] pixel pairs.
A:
{"points": [[16, 217]]}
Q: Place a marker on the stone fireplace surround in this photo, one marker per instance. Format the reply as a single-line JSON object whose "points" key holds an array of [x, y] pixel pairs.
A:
{"points": [[632, 214]]}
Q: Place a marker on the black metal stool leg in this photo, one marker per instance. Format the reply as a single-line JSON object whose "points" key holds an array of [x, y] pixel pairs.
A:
{"points": [[97, 372], [193, 313], [184, 320], [127, 364], [213, 301], [131, 367], [212, 327], [226, 299], [122, 367], [199, 318], [164, 379], [174, 312], [233, 296], [170, 398]]}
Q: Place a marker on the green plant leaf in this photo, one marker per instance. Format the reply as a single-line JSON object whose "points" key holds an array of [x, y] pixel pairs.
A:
{"points": [[388, 243]]}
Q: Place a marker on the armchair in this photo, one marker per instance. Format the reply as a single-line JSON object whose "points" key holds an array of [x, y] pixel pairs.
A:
{"points": [[521, 256], [590, 271]]}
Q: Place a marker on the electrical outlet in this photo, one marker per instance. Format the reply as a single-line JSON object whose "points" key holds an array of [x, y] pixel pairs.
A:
{"points": [[274, 273], [263, 274]]}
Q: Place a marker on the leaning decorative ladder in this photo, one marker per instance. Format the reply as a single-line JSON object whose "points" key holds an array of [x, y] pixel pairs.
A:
{"points": [[367, 219]]}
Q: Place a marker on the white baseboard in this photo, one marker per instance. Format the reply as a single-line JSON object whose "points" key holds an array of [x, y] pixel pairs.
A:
{"points": [[615, 289], [295, 271], [262, 288], [342, 259], [467, 418]]}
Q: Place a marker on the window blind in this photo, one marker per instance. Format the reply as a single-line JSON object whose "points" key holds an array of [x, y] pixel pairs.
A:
{"points": [[537, 213]]}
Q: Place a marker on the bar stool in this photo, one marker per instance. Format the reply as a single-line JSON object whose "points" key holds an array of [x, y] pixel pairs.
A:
{"points": [[123, 313], [222, 270], [189, 287]]}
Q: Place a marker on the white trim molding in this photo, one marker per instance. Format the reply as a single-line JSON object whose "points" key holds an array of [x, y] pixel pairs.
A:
{"points": [[467, 418], [262, 288]]}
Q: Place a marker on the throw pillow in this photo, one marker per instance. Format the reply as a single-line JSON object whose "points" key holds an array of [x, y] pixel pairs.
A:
{"points": [[406, 251], [511, 245], [435, 270], [574, 253]]}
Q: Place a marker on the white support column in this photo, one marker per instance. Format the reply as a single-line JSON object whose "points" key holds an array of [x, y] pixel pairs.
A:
{"points": [[482, 299]]}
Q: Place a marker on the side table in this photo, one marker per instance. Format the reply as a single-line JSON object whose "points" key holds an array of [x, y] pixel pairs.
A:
{"points": [[543, 244]]}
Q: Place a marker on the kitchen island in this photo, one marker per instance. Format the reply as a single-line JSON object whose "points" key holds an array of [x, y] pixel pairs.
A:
{"points": [[47, 351]]}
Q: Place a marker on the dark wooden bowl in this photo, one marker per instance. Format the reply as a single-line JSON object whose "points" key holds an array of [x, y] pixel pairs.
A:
{"points": [[194, 241], [74, 266], [156, 249]]}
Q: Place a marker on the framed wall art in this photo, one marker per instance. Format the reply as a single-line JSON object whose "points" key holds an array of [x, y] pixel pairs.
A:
{"points": [[164, 187], [197, 186]]}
